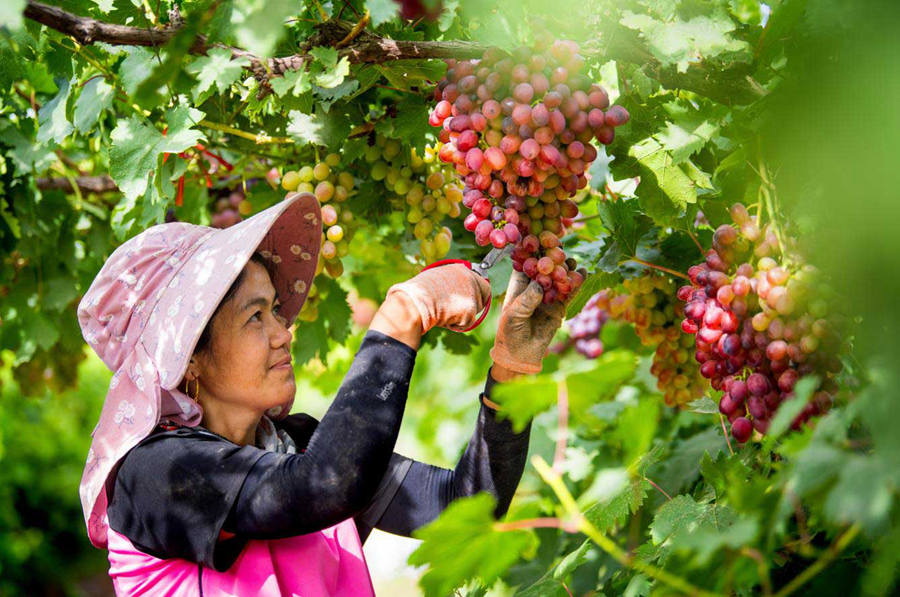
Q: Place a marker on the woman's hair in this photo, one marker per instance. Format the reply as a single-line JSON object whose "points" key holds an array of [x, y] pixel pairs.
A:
{"points": [[203, 344]]}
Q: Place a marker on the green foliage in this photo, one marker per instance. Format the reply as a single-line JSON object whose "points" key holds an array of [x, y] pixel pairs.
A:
{"points": [[716, 90], [488, 552]]}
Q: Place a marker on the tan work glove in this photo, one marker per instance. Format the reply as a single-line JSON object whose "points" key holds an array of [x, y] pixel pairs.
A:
{"points": [[449, 296], [526, 326]]}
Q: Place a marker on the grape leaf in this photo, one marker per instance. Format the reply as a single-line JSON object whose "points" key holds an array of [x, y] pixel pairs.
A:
{"points": [[327, 57], [601, 381], [381, 11], [27, 155], [611, 514], [457, 343], [327, 97], [448, 14], [709, 538], [53, 124], [593, 284], [216, 69], [625, 222], [334, 75], [636, 427], [551, 582], [334, 309], [124, 217], [311, 340], [306, 128], [790, 409], [525, 397], [674, 183], [864, 492], [136, 67], [104, 5], [96, 96], [638, 586], [294, 81], [263, 24], [136, 147], [703, 405], [58, 293], [681, 142], [682, 466], [681, 42], [462, 543]]}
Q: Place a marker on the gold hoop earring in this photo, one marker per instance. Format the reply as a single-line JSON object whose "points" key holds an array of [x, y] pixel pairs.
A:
{"points": [[196, 396]]}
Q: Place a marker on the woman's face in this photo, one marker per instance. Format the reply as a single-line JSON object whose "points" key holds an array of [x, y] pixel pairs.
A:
{"points": [[248, 362]]}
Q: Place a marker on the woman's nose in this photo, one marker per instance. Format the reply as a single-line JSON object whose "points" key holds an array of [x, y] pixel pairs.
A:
{"points": [[282, 334]]}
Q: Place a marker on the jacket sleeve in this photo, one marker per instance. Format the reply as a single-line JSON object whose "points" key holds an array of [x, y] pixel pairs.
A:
{"points": [[415, 493]]}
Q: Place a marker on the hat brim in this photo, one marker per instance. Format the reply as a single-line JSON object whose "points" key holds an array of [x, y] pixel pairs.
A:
{"points": [[288, 235]]}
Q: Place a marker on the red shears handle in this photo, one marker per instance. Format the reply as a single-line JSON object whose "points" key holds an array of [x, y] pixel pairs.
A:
{"points": [[468, 264]]}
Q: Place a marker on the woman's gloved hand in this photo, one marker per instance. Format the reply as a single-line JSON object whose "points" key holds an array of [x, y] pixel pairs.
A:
{"points": [[450, 296], [526, 326]]}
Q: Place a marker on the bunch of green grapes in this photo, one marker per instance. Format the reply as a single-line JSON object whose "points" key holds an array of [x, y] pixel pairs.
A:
{"points": [[332, 187], [424, 187], [650, 302]]}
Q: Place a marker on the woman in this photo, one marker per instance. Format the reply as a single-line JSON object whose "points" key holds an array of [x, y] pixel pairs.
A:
{"points": [[213, 490]]}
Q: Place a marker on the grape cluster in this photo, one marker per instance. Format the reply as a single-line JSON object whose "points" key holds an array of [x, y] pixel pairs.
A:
{"points": [[650, 303], [424, 187], [229, 208], [55, 370], [518, 129], [585, 328], [761, 322], [332, 188]]}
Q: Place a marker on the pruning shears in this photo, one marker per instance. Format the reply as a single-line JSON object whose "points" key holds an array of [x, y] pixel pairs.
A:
{"points": [[481, 268]]}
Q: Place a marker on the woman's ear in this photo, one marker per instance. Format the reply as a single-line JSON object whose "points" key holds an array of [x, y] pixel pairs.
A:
{"points": [[193, 369]]}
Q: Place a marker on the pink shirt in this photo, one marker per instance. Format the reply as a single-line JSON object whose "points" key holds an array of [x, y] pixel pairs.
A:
{"points": [[328, 563]]}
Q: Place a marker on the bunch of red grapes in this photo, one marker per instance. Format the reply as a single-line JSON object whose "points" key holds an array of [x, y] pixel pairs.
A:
{"points": [[518, 129], [229, 208], [585, 328], [761, 322], [651, 305]]}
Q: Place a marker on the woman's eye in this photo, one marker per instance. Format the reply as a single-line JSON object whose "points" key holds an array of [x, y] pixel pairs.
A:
{"points": [[256, 316]]}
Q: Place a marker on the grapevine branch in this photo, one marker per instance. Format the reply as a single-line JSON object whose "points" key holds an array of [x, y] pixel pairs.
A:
{"points": [[618, 42], [657, 267], [361, 46], [824, 560], [606, 544], [85, 184]]}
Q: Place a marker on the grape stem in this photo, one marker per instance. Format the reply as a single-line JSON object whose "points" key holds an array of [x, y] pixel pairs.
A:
{"points": [[355, 31], [762, 568], [554, 480], [767, 201], [725, 432], [696, 242], [824, 560], [537, 523], [350, 6], [661, 490], [258, 139], [585, 218], [656, 267], [562, 430]]}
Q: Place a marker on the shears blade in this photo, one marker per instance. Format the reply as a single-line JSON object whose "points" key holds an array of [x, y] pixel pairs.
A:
{"points": [[493, 256]]}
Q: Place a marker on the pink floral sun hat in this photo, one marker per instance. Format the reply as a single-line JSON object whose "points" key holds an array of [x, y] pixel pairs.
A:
{"points": [[147, 307]]}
